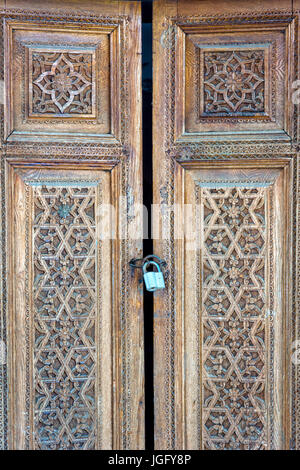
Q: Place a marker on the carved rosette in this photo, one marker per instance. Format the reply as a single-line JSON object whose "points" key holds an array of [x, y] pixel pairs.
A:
{"points": [[61, 83], [233, 82]]}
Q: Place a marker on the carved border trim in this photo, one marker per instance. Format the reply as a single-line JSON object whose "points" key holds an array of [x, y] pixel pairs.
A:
{"points": [[295, 320]]}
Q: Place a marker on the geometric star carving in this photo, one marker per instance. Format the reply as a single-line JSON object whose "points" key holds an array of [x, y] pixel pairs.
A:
{"points": [[234, 82]]}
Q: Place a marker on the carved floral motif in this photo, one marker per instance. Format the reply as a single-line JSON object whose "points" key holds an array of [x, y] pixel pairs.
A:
{"points": [[61, 83], [234, 82]]}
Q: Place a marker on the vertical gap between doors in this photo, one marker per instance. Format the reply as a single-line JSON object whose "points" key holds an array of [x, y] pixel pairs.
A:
{"points": [[147, 195]]}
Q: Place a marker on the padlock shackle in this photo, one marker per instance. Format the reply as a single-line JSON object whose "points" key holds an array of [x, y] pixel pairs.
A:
{"points": [[151, 262], [139, 262]]}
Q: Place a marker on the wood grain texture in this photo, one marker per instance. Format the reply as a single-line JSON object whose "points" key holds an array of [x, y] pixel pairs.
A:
{"points": [[204, 159]]}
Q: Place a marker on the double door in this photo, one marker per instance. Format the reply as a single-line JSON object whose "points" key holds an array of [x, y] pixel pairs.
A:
{"points": [[225, 221]]}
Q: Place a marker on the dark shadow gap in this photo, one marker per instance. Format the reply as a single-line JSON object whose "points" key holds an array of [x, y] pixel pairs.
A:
{"points": [[147, 195]]}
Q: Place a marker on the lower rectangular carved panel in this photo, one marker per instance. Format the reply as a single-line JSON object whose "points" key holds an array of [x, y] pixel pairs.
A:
{"points": [[60, 310], [236, 310]]}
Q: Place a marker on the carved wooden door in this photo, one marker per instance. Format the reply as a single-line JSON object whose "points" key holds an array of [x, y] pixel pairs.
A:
{"points": [[72, 374], [226, 180]]}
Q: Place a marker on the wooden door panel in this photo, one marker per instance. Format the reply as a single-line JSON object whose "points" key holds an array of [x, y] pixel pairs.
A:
{"points": [[60, 309], [233, 81], [39, 102], [225, 177], [71, 170], [234, 314]]}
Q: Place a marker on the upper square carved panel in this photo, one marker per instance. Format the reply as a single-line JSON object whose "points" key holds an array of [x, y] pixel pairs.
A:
{"points": [[233, 80], [60, 84]]}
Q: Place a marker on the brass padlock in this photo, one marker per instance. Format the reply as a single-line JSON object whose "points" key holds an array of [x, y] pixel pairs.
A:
{"points": [[154, 280]]}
